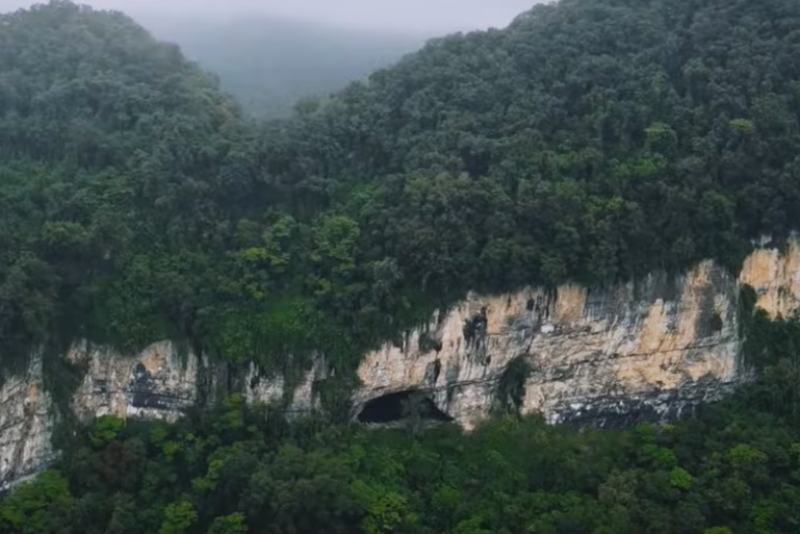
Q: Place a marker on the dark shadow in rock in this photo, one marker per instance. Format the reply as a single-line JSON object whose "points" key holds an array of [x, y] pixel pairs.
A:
{"points": [[401, 406]]}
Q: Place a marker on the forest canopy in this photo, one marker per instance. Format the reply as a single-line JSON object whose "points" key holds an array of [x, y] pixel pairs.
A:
{"points": [[592, 140]]}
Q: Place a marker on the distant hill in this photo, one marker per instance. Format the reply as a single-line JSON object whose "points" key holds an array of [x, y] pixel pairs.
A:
{"points": [[269, 64]]}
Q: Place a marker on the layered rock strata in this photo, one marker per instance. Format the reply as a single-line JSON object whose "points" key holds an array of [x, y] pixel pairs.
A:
{"points": [[649, 349]]}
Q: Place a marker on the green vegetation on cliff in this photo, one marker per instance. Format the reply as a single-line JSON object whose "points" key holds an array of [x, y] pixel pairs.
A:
{"points": [[735, 467], [591, 140]]}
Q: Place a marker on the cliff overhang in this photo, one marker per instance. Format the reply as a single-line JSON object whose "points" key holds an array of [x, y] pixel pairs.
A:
{"points": [[650, 349]]}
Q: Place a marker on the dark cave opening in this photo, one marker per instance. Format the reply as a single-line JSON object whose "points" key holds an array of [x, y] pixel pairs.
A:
{"points": [[401, 406]]}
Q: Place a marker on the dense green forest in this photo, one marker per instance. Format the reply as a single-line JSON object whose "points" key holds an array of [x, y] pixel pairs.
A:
{"points": [[592, 140], [735, 468]]}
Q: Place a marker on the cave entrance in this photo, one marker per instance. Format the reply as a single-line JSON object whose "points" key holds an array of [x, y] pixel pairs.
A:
{"points": [[402, 406]]}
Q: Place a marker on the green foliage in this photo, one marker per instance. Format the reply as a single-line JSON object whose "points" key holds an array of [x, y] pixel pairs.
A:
{"points": [[42, 506], [385, 512], [590, 140], [267, 335], [104, 430], [733, 468], [743, 126], [178, 518], [229, 524], [681, 479]]}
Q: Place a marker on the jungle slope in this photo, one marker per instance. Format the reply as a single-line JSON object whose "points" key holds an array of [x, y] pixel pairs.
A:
{"points": [[592, 140]]}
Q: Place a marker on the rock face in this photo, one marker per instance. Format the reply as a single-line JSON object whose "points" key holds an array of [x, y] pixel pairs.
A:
{"points": [[163, 381], [649, 349], [645, 349], [775, 275], [158, 383], [27, 419]]}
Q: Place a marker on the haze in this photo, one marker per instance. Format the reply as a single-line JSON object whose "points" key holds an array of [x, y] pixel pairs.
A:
{"points": [[269, 54], [429, 17]]}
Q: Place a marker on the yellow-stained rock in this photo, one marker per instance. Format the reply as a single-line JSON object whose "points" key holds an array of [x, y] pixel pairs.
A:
{"points": [[775, 276], [653, 348]]}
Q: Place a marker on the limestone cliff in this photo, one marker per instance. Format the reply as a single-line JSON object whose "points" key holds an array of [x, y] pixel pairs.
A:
{"points": [[157, 383], [160, 383], [648, 349], [775, 275], [642, 349], [27, 418]]}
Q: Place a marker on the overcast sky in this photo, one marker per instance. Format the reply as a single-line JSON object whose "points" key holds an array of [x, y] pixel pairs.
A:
{"points": [[412, 16]]}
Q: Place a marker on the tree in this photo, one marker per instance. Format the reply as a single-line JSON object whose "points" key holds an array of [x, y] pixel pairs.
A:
{"points": [[44, 505], [229, 524], [179, 517], [105, 430]]}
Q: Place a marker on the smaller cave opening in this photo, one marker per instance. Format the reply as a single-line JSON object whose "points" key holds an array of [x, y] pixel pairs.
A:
{"points": [[402, 406]]}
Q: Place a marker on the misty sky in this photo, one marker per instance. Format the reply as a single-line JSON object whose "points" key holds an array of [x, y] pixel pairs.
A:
{"points": [[408, 16]]}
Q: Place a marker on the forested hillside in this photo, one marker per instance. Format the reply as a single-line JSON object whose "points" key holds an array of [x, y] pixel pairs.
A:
{"points": [[592, 140], [115, 151]]}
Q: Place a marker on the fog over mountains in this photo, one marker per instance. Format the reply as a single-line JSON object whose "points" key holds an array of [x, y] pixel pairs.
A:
{"points": [[270, 54], [269, 64], [406, 16]]}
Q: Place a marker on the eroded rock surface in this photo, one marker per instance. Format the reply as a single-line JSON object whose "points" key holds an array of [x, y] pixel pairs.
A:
{"points": [[27, 419], [775, 275], [639, 349], [650, 349], [159, 383]]}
